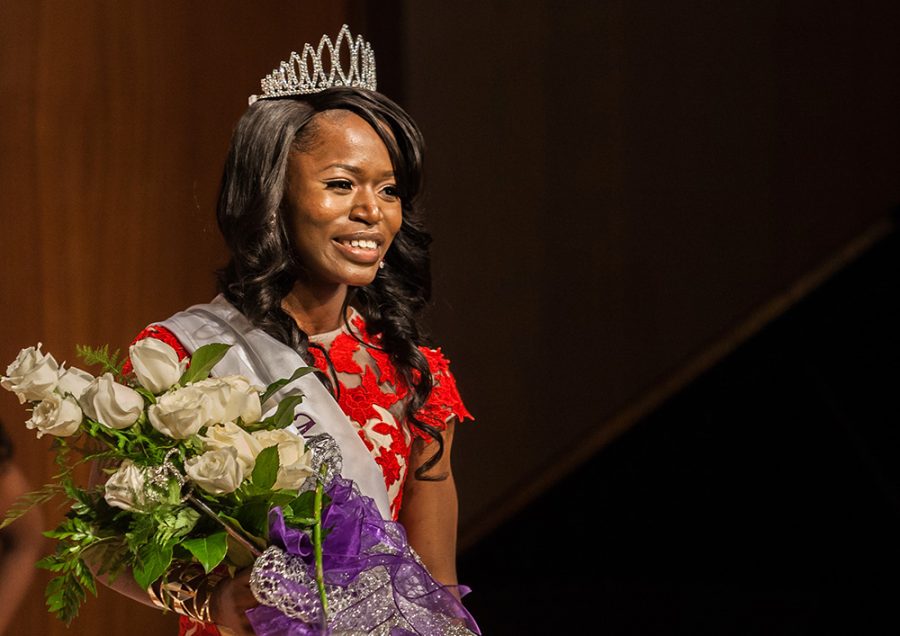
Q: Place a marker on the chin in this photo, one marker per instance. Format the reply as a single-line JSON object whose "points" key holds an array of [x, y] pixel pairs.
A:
{"points": [[361, 278], [361, 282]]}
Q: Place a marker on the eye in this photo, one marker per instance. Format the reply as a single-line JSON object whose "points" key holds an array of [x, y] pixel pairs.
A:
{"points": [[391, 192], [339, 184]]}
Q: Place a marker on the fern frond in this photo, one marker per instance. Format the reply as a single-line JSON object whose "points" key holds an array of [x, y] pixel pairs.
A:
{"points": [[100, 356], [29, 500]]}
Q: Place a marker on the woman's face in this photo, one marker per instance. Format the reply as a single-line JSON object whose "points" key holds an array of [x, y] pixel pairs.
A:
{"points": [[343, 200]]}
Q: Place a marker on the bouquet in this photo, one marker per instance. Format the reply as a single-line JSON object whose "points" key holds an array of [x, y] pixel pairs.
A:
{"points": [[198, 476]]}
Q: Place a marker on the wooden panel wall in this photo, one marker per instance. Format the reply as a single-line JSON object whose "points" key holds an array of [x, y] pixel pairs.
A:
{"points": [[114, 122]]}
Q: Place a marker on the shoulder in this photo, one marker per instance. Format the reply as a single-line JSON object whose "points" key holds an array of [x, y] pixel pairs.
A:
{"points": [[438, 363], [162, 333], [445, 402]]}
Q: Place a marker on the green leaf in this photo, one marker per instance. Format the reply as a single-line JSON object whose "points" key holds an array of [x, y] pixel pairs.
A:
{"points": [[85, 577], [301, 512], [142, 528], [152, 562], [51, 564], [147, 393], [283, 416], [176, 524], [173, 492], [202, 362], [64, 595], [111, 557], [254, 517], [281, 497], [303, 506], [273, 388], [253, 537], [265, 472], [208, 550]]}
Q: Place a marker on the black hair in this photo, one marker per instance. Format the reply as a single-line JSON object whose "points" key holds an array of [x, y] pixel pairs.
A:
{"points": [[264, 266]]}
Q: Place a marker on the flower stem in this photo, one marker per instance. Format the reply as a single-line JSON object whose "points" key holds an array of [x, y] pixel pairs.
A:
{"points": [[317, 547], [234, 533]]}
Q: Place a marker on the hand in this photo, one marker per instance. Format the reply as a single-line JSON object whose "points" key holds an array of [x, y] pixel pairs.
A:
{"points": [[231, 598]]}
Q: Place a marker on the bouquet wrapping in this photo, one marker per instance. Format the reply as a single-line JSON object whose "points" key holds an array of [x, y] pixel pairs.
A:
{"points": [[206, 472]]}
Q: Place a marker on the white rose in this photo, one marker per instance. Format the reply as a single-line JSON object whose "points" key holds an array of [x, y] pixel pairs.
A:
{"points": [[181, 413], [56, 415], [295, 461], [232, 397], [230, 435], [217, 471], [156, 364], [73, 381], [32, 376], [110, 403], [126, 487]]}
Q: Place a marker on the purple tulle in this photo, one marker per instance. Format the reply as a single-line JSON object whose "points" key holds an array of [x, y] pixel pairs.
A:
{"points": [[378, 583]]}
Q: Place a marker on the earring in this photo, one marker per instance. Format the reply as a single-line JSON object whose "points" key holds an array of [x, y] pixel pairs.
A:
{"points": [[381, 265]]}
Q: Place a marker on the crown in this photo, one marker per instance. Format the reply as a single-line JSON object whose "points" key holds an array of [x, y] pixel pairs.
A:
{"points": [[306, 73]]}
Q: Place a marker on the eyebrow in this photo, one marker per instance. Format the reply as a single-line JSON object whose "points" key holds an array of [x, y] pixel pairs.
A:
{"points": [[356, 169]]}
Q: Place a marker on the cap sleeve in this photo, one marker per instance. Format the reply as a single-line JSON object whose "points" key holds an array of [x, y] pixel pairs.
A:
{"points": [[445, 402]]}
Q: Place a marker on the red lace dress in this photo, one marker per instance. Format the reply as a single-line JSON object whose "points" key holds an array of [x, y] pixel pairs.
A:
{"points": [[372, 394]]}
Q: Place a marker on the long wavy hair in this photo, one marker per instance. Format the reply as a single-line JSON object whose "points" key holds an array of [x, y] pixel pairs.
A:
{"points": [[263, 267]]}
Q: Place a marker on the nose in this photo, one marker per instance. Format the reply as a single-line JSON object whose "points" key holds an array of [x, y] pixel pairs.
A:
{"points": [[366, 207]]}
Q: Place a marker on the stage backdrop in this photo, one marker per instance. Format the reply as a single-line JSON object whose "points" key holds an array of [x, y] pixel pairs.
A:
{"points": [[613, 188]]}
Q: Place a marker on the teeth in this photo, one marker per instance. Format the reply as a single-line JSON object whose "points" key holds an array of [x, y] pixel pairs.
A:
{"points": [[368, 245]]}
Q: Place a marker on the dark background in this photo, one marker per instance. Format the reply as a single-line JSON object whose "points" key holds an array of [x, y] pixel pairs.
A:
{"points": [[621, 192], [764, 498], [666, 269]]}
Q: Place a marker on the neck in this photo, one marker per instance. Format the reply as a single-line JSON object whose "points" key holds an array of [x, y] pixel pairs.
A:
{"points": [[315, 310]]}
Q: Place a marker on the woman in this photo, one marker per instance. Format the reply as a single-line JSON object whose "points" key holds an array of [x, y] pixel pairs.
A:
{"points": [[329, 262], [21, 542]]}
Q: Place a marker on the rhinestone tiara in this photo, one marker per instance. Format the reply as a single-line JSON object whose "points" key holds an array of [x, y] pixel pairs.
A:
{"points": [[306, 73]]}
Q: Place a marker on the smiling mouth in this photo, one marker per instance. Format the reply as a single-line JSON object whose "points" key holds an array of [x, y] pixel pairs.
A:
{"points": [[361, 251], [357, 244]]}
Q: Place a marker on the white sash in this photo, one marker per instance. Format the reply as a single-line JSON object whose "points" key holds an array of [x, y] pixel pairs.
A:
{"points": [[263, 360]]}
